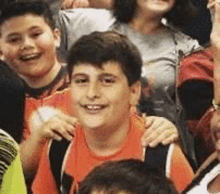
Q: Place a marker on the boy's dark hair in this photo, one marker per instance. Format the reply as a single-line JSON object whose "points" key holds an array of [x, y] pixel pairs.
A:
{"points": [[39, 8], [130, 176], [3, 3], [98, 48], [182, 12]]}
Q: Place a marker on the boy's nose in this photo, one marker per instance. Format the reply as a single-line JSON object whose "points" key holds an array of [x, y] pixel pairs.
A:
{"points": [[93, 91], [27, 43]]}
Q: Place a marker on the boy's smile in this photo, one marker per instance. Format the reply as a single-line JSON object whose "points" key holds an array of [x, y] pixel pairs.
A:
{"points": [[29, 47], [101, 97]]}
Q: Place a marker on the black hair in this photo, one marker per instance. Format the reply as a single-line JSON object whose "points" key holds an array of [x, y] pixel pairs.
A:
{"points": [[98, 48], [3, 3], [39, 8], [12, 102], [130, 176], [182, 12]]}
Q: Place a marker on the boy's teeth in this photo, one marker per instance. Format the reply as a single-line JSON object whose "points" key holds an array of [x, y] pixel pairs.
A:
{"points": [[29, 56], [93, 107]]}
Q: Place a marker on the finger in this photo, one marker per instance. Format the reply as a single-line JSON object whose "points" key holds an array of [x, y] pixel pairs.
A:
{"points": [[63, 132], [151, 125], [156, 141], [58, 126], [146, 140], [148, 120], [52, 135], [171, 139], [160, 135], [156, 128], [166, 137]]}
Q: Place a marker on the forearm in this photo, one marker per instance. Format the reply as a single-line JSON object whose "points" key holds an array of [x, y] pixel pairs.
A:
{"points": [[31, 150]]}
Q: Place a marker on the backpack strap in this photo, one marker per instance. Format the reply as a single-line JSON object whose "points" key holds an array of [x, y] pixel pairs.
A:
{"points": [[186, 139], [156, 158], [56, 156]]}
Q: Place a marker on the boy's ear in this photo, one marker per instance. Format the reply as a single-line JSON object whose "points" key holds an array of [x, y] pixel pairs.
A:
{"points": [[135, 93], [57, 34], [1, 53]]}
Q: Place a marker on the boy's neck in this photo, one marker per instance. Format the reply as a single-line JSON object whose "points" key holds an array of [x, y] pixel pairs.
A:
{"points": [[45, 80], [107, 141]]}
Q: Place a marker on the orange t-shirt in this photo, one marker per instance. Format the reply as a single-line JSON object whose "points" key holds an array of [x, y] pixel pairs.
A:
{"points": [[56, 95], [59, 100], [80, 160]]}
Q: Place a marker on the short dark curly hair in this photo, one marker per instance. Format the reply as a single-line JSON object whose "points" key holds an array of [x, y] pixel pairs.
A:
{"points": [[98, 48], [36, 7], [182, 12]]}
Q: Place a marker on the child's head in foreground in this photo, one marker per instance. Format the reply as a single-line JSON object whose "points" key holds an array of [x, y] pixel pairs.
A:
{"points": [[29, 39], [105, 69], [125, 177]]}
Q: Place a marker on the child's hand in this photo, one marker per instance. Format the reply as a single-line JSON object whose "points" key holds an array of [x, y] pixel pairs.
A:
{"points": [[49, 123], [158, 130]]}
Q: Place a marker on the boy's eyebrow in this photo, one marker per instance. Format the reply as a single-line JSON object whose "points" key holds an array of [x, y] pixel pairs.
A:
{"points": [[34, 27], [101, 75], [78, 74], [109, 74]]}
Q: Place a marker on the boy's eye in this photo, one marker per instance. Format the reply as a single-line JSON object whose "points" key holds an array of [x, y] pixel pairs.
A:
{"points": [[108, 80], [80, 80], [13, 39], [36, 34]]}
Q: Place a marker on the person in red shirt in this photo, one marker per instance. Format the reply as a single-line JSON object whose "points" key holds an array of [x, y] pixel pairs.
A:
{"points": [[196, 92], [105, 69]]}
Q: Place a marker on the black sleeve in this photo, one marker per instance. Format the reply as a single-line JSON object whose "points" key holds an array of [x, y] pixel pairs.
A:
{"points": [[12, 100]]}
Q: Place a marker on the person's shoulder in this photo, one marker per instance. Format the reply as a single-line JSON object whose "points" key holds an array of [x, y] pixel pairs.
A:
{"points": [[184, 42], [180, 36]]}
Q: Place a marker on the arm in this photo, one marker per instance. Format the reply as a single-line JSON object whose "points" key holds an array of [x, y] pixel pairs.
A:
{"points": [[57, 127]]}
